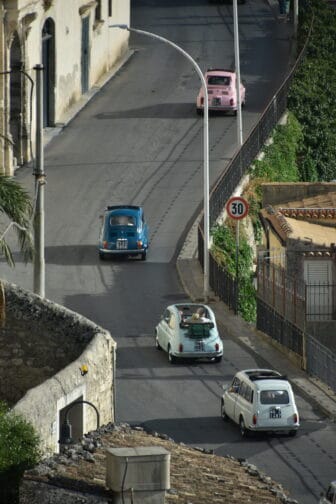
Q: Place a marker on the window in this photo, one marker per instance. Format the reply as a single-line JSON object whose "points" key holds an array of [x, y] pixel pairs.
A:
{"points": [[217, 80], [122, 220], [246, 392], [235, 385], [110, 2], [274, 397], [98, 11]]}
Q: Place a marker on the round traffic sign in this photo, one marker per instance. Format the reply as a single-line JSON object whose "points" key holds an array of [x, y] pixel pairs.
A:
{"points": [[237, 207]]}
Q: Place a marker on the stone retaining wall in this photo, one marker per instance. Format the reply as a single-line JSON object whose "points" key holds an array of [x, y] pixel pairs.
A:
{"points": [[42, 348]]}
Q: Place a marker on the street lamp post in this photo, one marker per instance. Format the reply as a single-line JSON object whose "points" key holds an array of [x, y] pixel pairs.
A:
{"points": [[237, 64], [205, 147]]}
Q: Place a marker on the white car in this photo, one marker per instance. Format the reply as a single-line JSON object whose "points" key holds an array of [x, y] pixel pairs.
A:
{"points": [[330, 495], [260, 400], [189, 331]]}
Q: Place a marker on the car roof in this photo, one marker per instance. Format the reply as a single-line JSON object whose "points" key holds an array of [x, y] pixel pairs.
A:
{"points": [[220, 71], [264, 378], [123, 209]]}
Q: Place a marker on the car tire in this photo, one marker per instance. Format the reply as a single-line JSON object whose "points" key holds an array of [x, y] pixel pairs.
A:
{"points": [[292, 433], [101, 256], [199, 111], [235, 113], [218, 359], [223, 414], [172, 359], [143, 255], [157, 344], [243, 430]]}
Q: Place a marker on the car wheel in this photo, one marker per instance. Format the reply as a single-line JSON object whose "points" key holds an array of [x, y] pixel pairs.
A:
{"points": [[223, 414], [144, 255], [243, 430], [235, 112], [292, 433], [101, 256], [157, 344], [199, 111], [218, 359], [171, 357]]}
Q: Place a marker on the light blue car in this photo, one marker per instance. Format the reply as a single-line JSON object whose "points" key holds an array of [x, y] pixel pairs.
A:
{"points": [[189, 331]]}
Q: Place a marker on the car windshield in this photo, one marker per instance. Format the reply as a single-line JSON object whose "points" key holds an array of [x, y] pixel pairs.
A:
{"points": [[219, 80], [122, 220], [274, 397]]}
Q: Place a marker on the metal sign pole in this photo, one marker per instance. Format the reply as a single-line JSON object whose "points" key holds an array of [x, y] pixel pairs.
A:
{"points": [[237, 267]]}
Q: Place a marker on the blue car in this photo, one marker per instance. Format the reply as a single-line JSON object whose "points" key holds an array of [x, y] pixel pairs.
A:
{"points": [[124, 232]]}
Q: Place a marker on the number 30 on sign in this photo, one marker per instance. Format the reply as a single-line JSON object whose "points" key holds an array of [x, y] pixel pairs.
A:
{"points": [[237, 207]]}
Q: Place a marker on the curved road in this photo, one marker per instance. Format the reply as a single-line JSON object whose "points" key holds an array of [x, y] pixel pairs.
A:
{"points": [[139, 141]]}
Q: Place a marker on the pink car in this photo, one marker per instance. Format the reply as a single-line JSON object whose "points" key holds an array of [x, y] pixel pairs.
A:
{"points": [[221, 85]]}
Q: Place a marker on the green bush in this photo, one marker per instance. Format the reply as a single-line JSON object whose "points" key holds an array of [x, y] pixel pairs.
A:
{"points": [[19, 450], [224, 250]]}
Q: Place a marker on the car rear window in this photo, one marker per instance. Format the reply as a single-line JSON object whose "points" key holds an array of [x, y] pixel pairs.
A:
{"points": [[274, 397], [122, 220], [219, 80]]}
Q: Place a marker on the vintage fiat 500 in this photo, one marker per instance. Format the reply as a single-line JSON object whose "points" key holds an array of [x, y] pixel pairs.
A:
{"points": [[222, 95], [124, 232], [189, 331]]}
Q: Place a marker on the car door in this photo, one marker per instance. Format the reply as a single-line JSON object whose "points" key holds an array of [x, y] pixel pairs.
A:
{"points": [[163, 328], [230, 398]]}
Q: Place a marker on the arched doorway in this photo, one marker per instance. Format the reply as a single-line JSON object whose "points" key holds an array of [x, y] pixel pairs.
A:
{"points": [[48, 62], [16, 99]]}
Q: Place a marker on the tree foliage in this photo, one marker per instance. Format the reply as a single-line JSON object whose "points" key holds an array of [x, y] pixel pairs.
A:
{"points": [[312, 95], [15, 203]]}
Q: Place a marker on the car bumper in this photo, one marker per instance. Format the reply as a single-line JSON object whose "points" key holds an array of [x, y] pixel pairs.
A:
{"points": [[122, 251], [275, 428], [198, 355]]}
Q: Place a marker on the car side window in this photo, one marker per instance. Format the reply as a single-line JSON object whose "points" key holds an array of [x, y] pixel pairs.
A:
{"points": [[235, 385], [242, 389], [172, 321]]}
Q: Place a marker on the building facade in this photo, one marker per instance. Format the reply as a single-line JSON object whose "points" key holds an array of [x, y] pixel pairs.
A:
{"points": [[73, 42]]}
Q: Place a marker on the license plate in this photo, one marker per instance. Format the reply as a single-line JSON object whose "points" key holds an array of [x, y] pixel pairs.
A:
{"points": [[216, 102], [275, 413], [122, 244]]}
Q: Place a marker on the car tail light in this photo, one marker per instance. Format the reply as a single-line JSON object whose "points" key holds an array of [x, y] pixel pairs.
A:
{"points": [[139, 244], [105, 244], [202, 101], [180, 347], [295, 418], [217, 347], [254, 419], [231, 101]]}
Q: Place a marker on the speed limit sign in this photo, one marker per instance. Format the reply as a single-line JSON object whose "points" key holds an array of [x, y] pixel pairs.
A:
{"points": [[237, 207]]}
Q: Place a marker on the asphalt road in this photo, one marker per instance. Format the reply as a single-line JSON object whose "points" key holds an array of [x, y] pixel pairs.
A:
{"points": [[139, 141]]}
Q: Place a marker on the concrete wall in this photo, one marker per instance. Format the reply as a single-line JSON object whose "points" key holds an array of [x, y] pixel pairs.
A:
{"points": [[277, 193], [43, 346]]}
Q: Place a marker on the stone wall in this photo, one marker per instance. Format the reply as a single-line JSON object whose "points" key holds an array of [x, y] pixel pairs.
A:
{"points": [[42, 348], [279, 193]]}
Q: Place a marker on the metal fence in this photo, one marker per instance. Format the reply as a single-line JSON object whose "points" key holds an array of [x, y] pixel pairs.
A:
{"points": [[280, 329], [292, 298], [321, 362]]}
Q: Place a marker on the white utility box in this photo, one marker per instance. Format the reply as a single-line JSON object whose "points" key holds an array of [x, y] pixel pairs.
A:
{"points": [[139, 475]]}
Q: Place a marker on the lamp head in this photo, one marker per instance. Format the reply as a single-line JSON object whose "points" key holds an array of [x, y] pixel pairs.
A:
{"points": [[121, 26]]}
